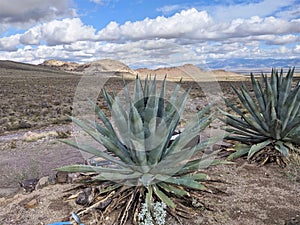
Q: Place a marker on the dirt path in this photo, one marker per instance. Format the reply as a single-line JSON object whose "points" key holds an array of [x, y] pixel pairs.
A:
{"points": [[21, 160]]}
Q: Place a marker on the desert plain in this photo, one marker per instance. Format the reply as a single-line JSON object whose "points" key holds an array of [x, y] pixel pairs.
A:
{"points": [[35, 104]]}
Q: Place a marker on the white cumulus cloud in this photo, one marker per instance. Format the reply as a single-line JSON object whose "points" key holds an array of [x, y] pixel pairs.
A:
{"points": [[32, 37], [10, 43], [188, 36], [66, 31], [193, 25], [181, 24], [58, 32]]}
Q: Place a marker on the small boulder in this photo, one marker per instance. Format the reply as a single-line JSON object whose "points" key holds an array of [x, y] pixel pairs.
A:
{"points": [[72, 177], [31, 204], [13, 144], [23, 124], [83, 197], [29, 185], [62, 177], [43, 182]]}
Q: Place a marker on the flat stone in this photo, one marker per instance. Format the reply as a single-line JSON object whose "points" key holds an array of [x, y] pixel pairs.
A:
{"points": [[25, 124], [221, 145], [31, 204], [62, 177], [43, 182], [72, 177]]}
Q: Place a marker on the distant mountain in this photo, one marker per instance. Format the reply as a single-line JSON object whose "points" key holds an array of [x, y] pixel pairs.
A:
{"points": [[104, 65], [188, 72], [177, 71], [253, 65], [115, 68], [61, 65]]}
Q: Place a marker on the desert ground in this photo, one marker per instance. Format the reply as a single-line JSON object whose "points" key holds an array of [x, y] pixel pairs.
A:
{"points": [[35, 102]]}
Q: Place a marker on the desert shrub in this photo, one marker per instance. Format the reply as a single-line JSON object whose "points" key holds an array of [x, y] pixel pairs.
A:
{"points": [[268, 122], [149, 170]]}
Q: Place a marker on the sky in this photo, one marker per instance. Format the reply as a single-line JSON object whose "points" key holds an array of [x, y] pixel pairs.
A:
{"points": [[212, 34]]}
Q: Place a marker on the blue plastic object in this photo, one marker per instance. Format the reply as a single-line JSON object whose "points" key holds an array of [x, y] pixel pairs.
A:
{"points": [[63, 223], [75, 217]]}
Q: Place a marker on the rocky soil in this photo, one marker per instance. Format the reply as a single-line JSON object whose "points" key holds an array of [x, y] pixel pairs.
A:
{"points": [[33, 119]]}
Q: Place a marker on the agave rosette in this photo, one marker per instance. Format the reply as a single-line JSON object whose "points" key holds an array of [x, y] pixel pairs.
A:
{"points": [[269, 118], [139, 145]]}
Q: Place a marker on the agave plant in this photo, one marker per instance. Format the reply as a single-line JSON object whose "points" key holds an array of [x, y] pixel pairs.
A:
{"points": [[146, 165], [269, 123]]}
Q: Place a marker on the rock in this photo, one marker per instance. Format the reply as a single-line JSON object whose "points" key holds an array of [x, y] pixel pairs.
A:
{"points": [[104, 203], [44, 111], [221, 145], [43, 182], [63, 134], [83, 197], [24, 124], [72, 177], [65, 177], [11, 113], [293, 221], [31, 204], [56, 102], [62, 177], [33, 136], [52, 179], [13, 125], [44, 105], [13, 144], [29, 185], [2, 200], [3, 120]]}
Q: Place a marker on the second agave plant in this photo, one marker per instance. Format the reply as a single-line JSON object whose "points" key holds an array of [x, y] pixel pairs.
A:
{"points": [[147, 166], [268, 123]]}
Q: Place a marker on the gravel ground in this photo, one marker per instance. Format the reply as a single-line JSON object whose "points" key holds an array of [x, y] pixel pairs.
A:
{"points": [[249, 194]]}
